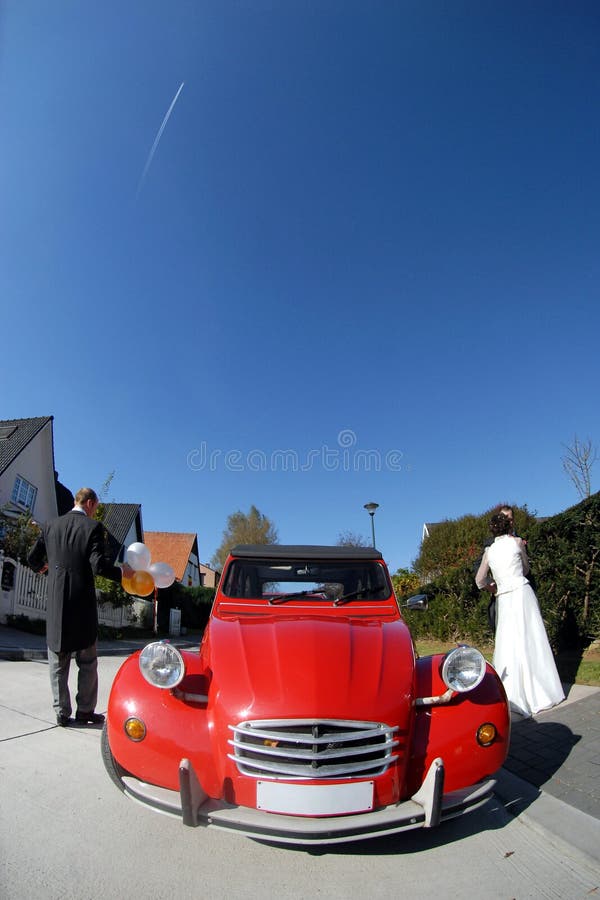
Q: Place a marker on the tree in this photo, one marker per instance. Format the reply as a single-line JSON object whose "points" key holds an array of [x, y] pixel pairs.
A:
{"points": [[351, 539], [111, 591], [577, 463], [100, 513], [17, 535], [405, 582], [459, 542], [244, 528], [566, 554]]}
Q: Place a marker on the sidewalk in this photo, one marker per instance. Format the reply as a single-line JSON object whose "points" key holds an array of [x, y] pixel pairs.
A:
{"points": [[19, 645], [559, 750], [554, 759], [551, 778]]}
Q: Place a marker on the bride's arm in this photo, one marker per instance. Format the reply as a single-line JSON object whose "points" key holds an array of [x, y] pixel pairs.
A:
{"points": [[524, 557], [482, 578]]}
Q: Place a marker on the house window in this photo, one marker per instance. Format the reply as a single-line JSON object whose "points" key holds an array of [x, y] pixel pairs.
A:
{"points": [[24, 493]]}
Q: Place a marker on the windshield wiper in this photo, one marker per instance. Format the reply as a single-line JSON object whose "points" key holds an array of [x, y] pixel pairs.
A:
{"points": [[345, 597], [281, 598]]}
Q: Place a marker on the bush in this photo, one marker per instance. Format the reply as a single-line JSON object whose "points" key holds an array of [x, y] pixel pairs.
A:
{"points": [[457, 610], [565, 558], [195, 605], [17, 536], [455, 543], [565, 554], [112, 592], [24, 623]]}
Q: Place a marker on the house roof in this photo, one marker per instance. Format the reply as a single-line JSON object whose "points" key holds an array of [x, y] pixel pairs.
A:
{"points": [[15, 434], [171, 547], [118, 519]]}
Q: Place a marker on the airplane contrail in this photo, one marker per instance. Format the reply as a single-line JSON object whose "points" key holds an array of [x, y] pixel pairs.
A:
{"points": [[158, 137]]}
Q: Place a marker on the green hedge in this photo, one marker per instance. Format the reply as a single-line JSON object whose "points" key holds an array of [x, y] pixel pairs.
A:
{"points": [[457, 609], [565, 556], [195, 604]]}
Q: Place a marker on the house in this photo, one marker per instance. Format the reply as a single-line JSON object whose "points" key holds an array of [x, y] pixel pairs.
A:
{"points": [[123, 523], [180, 551], [28, 480], [210, 577], [428, 528]]}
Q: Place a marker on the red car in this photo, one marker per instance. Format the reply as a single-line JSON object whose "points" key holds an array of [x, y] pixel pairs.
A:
{"points": [[306, 716]]}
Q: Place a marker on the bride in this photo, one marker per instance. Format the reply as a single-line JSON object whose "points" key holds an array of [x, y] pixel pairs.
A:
{"points": [[522, 655]]}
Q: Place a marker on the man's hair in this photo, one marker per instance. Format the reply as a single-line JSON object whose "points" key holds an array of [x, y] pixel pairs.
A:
{"points": [[85, 494], [500, 524]]}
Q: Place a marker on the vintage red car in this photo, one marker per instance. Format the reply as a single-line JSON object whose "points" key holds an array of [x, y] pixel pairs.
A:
{"points": [[306, 716]]}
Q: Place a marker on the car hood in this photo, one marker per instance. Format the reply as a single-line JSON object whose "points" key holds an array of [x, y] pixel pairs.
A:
{"points": [[284, 666]]}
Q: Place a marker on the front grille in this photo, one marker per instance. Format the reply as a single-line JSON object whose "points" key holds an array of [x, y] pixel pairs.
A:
{"points": [[312, 748]]}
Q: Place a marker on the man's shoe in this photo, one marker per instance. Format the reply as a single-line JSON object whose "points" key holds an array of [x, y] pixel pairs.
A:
{"points": [[63, 721], [90, 718]]}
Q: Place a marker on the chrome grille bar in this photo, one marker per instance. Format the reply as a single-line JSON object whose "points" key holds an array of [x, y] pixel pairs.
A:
{"points": [[310, 754], [304, 749], [307, 737]]}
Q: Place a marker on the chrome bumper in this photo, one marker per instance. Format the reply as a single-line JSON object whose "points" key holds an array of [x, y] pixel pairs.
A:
{"points": [[426, 809]]}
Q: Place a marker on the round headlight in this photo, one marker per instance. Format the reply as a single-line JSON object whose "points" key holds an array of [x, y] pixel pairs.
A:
{"points": [[162, 665], [463, 669]]}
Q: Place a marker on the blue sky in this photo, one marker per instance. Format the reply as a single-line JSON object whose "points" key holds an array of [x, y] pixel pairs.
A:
{"points": [[368, 237]]}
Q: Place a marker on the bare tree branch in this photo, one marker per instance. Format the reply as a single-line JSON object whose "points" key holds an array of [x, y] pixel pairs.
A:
{"points": [[577, 463], [351, 539]]}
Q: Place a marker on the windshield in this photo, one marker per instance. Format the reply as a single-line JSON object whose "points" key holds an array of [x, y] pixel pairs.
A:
{"points": [[333, 581]]}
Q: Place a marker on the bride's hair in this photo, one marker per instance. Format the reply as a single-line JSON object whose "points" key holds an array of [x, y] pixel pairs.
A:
{"points": [[500, 524]]}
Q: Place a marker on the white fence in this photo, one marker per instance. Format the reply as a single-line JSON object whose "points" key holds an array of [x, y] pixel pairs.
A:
{"points": [[23, 593]]}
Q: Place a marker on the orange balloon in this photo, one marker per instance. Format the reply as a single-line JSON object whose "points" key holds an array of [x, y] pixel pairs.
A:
{"points": [[141, 584], [127, 584]]}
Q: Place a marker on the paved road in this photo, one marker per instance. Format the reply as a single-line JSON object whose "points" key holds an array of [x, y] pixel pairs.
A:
{"points": [[66, 832]]}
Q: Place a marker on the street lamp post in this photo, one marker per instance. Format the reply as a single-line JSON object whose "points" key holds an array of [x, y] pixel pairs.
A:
{"points": [[370, 508]]}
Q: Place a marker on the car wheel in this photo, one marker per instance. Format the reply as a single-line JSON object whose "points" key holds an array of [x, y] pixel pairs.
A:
{"points": [[113, 768]]}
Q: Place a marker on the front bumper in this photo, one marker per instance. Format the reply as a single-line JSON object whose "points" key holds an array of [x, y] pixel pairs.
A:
{"points": [[426, 809]]}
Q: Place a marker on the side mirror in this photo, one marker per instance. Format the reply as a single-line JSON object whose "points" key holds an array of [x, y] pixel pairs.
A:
{"points": [[418, 601]]}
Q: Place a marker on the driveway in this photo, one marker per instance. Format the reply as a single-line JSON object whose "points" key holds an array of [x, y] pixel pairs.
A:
{"points": [[67, 832]]}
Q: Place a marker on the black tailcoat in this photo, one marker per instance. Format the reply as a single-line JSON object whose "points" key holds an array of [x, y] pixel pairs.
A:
{"points": [[74, 547]]}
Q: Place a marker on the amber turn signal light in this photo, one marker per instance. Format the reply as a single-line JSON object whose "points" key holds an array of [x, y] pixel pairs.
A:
{"points": [[135, 729], [486, 734]]}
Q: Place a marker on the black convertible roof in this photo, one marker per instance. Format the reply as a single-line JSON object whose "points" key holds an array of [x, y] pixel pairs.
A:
{"points": [[303, 551]]}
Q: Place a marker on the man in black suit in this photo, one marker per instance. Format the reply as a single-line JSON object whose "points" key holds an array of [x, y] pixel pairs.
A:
{"points": [[71, 548]]}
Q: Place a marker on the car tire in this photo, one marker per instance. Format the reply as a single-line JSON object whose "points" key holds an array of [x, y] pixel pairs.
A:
{"points": [[115, 771]]}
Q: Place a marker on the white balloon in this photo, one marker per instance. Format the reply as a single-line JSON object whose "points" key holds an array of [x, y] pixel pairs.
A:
{"points": [[138, 557], [163, 574]]}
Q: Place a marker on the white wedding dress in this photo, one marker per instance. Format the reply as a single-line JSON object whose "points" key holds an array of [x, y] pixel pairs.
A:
{"points": [[522, 655]]}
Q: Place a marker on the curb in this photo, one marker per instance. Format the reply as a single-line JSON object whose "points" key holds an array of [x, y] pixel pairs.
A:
{"points": [[565, 827], [19, 655], [26, 654]]}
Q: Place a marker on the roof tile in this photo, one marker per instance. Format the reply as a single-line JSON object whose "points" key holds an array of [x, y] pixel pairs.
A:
{"points": [[24, 431], [171, 547]]}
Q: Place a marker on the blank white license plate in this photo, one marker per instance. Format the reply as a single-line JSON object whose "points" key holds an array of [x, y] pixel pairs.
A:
{"points": [[314, 799]]}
